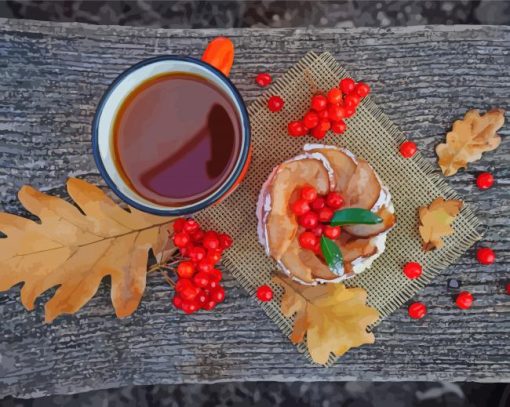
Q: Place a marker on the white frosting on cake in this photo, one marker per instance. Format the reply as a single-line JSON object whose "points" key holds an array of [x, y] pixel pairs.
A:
{"points": [[311, 147]]}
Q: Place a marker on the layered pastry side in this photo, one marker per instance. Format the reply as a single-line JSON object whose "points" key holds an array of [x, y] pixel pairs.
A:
{"points": [[326, 168]]}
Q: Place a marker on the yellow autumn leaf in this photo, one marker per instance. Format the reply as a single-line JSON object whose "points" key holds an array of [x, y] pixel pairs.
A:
{"points": [[436, 220], [470, 137], [333, 318], [74, 250]]}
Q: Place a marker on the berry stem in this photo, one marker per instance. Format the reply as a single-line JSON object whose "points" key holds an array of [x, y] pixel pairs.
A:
{"points": [[164, 273], [172, 263], [155, 267], [168, 265], [164, 269], [168, 279]]}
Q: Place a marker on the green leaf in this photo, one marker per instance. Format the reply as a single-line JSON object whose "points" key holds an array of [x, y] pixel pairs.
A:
{"points": [[355, 216], [333, 256]]}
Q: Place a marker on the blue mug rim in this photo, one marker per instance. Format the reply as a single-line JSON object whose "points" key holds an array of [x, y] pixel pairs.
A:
{"points": [[216, 195]]}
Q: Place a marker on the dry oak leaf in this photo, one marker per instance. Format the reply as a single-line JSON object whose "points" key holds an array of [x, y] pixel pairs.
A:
{"points": [[470, 137], [436, 220], [75, 250], [333, 318]]}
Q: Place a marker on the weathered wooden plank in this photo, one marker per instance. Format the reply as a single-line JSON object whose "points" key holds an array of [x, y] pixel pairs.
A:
{"points": [[52, 76]]}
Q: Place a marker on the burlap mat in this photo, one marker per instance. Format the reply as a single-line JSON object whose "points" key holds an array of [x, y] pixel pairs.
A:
{"points": [[370, 135]]}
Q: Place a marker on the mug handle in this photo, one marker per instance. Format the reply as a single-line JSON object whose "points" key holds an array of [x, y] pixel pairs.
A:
{"points": [[220, 54]]}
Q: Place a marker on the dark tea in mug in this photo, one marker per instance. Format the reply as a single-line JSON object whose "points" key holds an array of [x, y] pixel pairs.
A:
{"points": [[176, 139]]}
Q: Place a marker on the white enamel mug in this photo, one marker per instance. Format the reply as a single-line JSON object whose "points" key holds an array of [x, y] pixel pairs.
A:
{"points": [[220, 54]]}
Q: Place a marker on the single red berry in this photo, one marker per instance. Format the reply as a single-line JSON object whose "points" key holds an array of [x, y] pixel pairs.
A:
{"points": [[211, 240], [464, 300], [211, 233], [349, 112], [264, 293], [338, 127], [296, 129], [318, 203], [201, 298], [179, 225], [318, 133], [332, 232], [417, 310], [204, 266], [213, 256], [183, 283], [185, 307], [190, 306], [336, 113], [308, 193], [485, 255], [213, 284], [177, 301], [362, 89], [189, 293], [325, 214], [185, 269], [309, 220], [334, 96], [310, 119], [318, 230], [226, 241], [190, 226], [408, 149], [201, 279], [217, 294], [194, 306], [484, 180], [412, 270], [334, 200], [209, 305], [215, 275], [197, 235], [307, 240], [263, 79], [196, 254], [181, 239], [323, 115], [324, 125], [300, 207], [351, 101], [507, 288], [184, 251], [347, 85], [319, 103], [275, 103]]}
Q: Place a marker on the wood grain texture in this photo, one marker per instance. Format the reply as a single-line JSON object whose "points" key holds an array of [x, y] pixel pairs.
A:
{"points": [[52, 77]]}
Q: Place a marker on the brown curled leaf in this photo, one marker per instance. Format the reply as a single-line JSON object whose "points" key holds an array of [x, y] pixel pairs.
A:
{"points": [[469, 138], [74, 251], [332, 317], [436, 220]]}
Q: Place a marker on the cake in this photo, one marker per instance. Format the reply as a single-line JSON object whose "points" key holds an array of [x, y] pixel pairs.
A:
{"points": [[326, 169]]}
